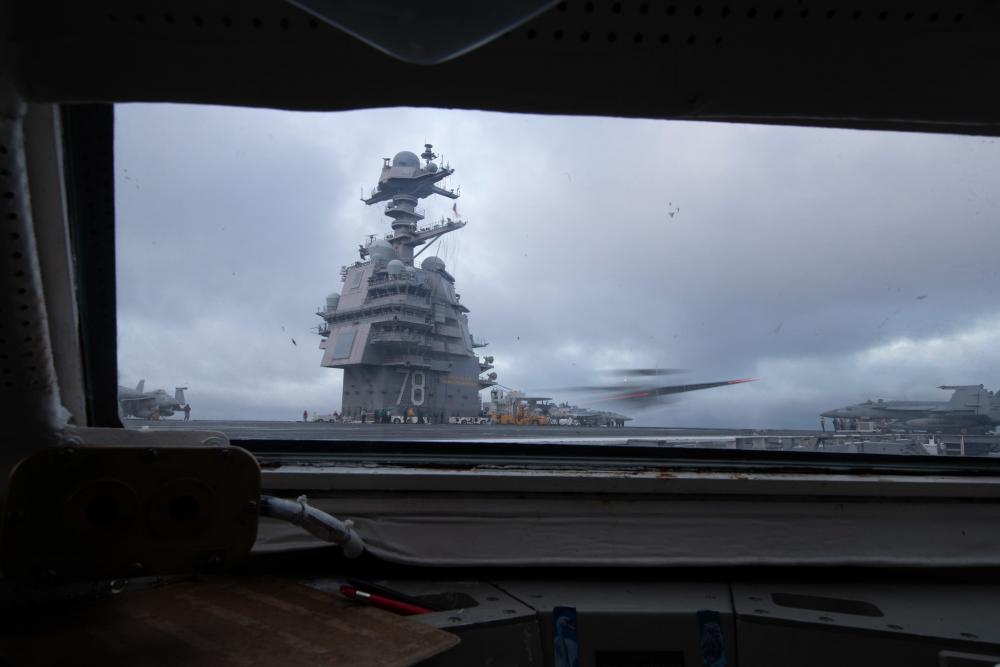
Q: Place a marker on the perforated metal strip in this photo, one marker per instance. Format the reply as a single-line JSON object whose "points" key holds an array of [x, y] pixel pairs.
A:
{"points": [[28, 390]]}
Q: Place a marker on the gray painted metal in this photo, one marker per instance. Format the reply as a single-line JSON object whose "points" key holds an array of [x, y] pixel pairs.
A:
{"points": [[399, 333], [971, 409], [864, 623]]}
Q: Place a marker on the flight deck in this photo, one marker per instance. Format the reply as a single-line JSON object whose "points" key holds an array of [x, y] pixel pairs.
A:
{"points": [[288, 430], [919, 444]]}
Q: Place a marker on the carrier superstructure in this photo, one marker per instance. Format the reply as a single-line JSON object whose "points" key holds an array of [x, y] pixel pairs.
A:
{"points": [[398, 330]]}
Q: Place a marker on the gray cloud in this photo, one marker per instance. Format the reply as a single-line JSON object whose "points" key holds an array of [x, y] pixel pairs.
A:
{"points": [[796, 255]]}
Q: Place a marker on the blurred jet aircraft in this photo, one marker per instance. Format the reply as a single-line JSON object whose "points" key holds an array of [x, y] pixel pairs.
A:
{"points": [[637, 390]]}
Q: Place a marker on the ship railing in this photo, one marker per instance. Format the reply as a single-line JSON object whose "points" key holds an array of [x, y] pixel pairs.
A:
{"points": [[410, 363], [414, 311], [444, 223], [398, 337], [384, 280], [403, 299], [478, 342]]}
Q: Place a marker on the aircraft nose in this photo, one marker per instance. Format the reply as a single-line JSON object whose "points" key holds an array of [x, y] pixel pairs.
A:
{"points": [[830, 413]]}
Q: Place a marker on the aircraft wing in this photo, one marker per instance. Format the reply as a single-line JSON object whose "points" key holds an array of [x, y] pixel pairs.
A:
{"points": [[927, 407], [135, 400], [640, 393]]}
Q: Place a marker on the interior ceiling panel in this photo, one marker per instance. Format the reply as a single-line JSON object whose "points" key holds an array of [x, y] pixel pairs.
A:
{"points": [[916, 65]]}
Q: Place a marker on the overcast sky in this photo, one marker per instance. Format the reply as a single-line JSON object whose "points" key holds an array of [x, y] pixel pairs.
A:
{"points": [[834, 265]]}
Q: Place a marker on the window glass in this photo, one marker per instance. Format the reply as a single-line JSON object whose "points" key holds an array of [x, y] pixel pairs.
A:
{"points": [[617, 277]]}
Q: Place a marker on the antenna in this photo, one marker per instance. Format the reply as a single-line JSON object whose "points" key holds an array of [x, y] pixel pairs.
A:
{"points": [[428, 153]]}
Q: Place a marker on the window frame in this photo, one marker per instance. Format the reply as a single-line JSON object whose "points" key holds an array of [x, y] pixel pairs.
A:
{"points": [[88, 142]]}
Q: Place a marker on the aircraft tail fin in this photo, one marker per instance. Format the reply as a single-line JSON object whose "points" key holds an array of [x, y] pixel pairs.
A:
{"points": [[141, 386], [179, 395], [967, 397], [995, 405]]}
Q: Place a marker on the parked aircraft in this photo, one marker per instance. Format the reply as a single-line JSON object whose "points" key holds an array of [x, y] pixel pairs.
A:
{"points": [[971, 409], [140, 403]]}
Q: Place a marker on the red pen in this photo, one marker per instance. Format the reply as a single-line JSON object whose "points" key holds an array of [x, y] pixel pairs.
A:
{"points": [[381, 602]]}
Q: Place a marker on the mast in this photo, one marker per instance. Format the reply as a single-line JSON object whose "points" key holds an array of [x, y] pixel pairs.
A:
{"points": [[402, 184]]}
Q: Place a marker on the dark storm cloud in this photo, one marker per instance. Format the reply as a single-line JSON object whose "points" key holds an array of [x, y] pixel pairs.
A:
{"points": [[795, 255]]}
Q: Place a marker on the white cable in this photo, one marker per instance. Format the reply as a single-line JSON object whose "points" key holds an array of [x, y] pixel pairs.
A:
{"points": [[314, 521]]}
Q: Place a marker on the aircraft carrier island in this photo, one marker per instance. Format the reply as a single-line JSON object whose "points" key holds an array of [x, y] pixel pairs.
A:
{"points": [[398, 329]]}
